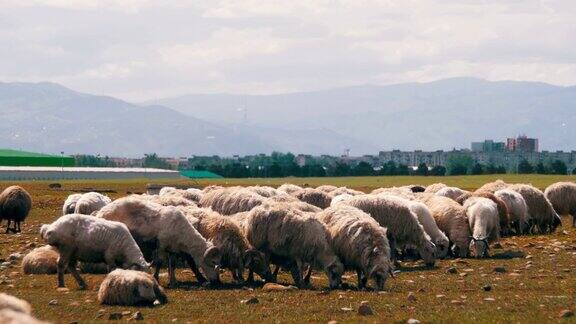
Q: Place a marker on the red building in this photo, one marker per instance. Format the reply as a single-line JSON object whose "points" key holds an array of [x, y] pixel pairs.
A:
{"points": [[522, 144]]}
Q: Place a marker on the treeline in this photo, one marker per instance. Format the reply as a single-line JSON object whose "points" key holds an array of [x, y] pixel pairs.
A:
{"points": [[554, 167]]}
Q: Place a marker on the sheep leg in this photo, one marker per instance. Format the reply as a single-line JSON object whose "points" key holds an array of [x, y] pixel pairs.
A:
{"points": [[297, 276], [275, 274], [172, 271], [308, 275], [157, 264], [18, 225], [194, 269], [61, 267], [250, 276], [76, 275], [362, 280], [8, 226]]}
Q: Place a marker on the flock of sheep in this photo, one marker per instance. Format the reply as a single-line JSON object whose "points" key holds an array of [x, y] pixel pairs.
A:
{"points": [[297, 229]]}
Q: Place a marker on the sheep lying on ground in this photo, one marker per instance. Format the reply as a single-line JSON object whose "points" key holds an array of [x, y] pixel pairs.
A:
{"points": [[562, 196], [130, 288], [451, 192], [226, 235], [15, 204], [435, 187], [91, 202], [288, 188], [314, 197], [90, 239], [228, 201], [493, 186], [42, 260], [484, 223], [541, 214], [70, 204], [402, 224], [451, 219], [360, 243], [293, 239], [192, 194], [517, 209], [169, 231], [502, 208]]}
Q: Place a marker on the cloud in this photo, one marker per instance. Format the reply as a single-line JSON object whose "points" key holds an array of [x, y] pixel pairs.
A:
{"points": [[141, 49]]}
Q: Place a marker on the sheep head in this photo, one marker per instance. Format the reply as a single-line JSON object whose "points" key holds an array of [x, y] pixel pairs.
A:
{"points": [[256, 261]]}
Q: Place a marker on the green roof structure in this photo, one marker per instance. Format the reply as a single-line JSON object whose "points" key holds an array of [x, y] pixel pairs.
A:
{"points": [[22, 158], [194, 174]]}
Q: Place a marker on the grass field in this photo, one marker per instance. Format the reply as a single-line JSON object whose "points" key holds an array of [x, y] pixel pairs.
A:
{"points": [[538, 283]]}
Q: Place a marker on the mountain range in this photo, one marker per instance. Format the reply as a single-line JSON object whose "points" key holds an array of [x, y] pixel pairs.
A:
{"points": [[444, 114]]}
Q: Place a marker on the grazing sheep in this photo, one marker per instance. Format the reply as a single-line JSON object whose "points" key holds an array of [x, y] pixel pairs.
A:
{"points": [[451, 192], [228, 201], [91, 202], [402, 192], [314, 197], [402, 224], [339, 199], [326, 188], [210, 188], [435, 187], [226, 235], [166, 200], [42, 260], [130, 288], [192, 194], [169, 231], [517, 209], [344, 190], [288, 188], [429, 224], [89, 239], [502, 208], [8, 316], [294, 203], [70, 204], [263, 191], [484, 223], [15, 204], [562, 196], [293, 239], [541, 214], [360, 243], [451, 218], [14, 304], [493, 186]]}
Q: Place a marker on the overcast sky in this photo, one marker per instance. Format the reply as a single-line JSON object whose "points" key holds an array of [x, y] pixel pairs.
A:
{"points": [[138, 49]]}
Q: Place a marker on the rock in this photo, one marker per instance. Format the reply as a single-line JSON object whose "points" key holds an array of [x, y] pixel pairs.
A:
{"points": [[412, 321], [270, 286], [566, 313], [489, 299], [115, 316], [62, 289], [440, 296], [156, 302], [365, 309], [411, 297], [499, 269], [251, 300], [463, 274], [126, 313], [6, 264], [451, 270], [456, 302], [332, 322], [53, 302], [346, 309], [137, 316], [15, 256], [487, 288]]}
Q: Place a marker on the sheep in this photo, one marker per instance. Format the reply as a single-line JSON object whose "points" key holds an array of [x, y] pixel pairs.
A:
{"points": [[166, 200], [451, 192], [314, 197], [402, 224], [130, 288], [210, 188], [228, 201], [191, 194], [435, 187], [263, 191], [339, 199], [402, 192], [360, 243], [484, 223], [15, 204], [344, 190], [89, 239], [288, 188], [541, 214], [91, 202], [493, 186], [293, 238], [70, 204], [451, 219], [225, 234], [502, 208], [517, 209], [429, 224], [42, 260], [14, 304], [562, 196], [169, 232], [9, 316], [326, 188], [294, 203]]}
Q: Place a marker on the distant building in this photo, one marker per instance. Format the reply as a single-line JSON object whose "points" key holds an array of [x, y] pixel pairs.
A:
{"points": [[522, 144], [488, 146]]}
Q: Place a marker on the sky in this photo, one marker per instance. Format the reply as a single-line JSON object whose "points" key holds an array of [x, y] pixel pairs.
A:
{"points": [[142, 49]]}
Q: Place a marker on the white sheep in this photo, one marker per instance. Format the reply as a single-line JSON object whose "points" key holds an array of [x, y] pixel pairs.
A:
{"points": [[9, 316], [192, 194], [541, 214], [517, 209], [170, 232], [484, 224], [129, 287], [70, 204], [360, 243], [14, 303], [89, 239], [289, 188], [91, 202], [562, 196], [451, 192], [42, 260], [228, 201]]}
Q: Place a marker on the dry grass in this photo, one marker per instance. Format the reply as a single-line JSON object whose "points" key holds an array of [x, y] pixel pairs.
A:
{"points": [[534, 293]]}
